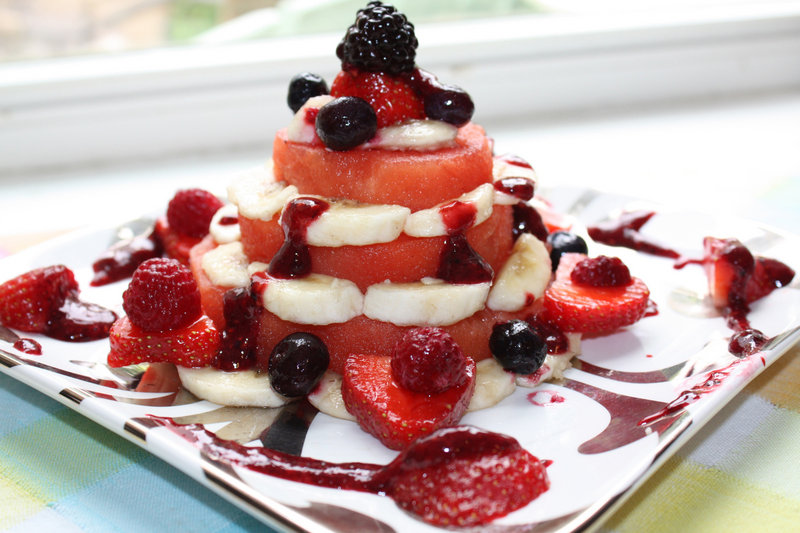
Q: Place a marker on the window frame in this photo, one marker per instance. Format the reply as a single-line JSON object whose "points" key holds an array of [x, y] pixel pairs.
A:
{"points": [[158, 103]]}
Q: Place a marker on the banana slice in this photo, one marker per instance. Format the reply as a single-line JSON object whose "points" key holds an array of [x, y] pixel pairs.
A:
{"points": [[430, 223], [227, 265], [526, 274], [246, 388], [492, 384], [315, 299], [257, 195], [301, 130], [430, 302], [351, 223], [554, 365], [225, 233], [415, 135], [327, 396]]}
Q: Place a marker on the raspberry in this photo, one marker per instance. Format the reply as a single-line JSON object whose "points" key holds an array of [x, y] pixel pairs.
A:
{"points": [[428, 360], [392, 98], [380, 40], [162, 296], [601, 271], [190, 211]]}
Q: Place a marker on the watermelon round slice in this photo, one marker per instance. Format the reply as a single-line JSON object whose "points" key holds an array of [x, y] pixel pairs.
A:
{"points": [[402, 260], [415, 179]]}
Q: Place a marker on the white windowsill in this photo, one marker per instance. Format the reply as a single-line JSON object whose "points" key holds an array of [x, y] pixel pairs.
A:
{"points": [[150, 105]]}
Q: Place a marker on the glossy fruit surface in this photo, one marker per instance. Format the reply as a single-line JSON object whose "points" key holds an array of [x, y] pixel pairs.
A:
{"points": [[28, 301], [304, 86], [517, 347], [393, 100], [564, 242], [194, 345], [345, 123], [428, 360], [393, 414], [297, 363], [587, 309], [417, 180], [601, 271], [452, 105], [190, 211], [162, 296], [380, 40]]}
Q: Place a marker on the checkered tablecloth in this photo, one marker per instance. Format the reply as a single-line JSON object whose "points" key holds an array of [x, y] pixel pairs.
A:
{"points": [[62, 472]]}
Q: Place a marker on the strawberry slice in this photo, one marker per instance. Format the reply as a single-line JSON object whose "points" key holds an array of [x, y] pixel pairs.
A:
{"points": [[393, 414], [176, 245], [194, 345], [587, 309], [29, 301], [736, 277], [464, 476], [393, 100]]}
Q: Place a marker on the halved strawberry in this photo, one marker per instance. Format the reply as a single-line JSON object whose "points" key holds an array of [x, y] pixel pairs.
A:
{"points": [[30, 301], [391, 97], [192, 346], [393, 414], [736, 277], [464, 476], [175, 245], [588, 309]]}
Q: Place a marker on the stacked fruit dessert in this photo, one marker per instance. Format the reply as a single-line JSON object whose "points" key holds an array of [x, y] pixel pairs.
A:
{"points": [[388, 267], [386, 264]]}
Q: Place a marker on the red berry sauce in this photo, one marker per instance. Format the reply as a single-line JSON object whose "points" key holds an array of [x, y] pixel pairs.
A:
{"points": [[521, 188], [238, 350], [624, 231], [528, 220], [121, 260], [513, 159], [459, 263], [451, 445], [713, 380], [28, 346], [293, 260], [555, 339], [80, 321]]}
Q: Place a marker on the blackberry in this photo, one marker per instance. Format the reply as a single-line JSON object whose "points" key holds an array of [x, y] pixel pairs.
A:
{"points": [[380, 40]]}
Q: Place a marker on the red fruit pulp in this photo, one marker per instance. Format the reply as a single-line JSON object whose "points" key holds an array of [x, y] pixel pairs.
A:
{"points": [[468, 454]]}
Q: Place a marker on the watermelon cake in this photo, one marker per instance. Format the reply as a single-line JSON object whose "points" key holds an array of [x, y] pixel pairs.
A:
{"points": [[385, 264], [389, 268]]}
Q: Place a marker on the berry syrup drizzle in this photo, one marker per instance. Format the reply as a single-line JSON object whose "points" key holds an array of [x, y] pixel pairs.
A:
{"points": [[28, 346], [238, 349], [293, 260], [746, 340], [458, 262], [401, 480], [713, 380], [120, 261], [624, 231]]}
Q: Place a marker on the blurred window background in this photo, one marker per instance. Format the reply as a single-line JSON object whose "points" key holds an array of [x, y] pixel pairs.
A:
{"points": [[37, 29]]}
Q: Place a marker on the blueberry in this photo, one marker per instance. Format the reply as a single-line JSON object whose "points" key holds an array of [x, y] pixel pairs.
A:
{"points": [[346, 122], [517, 347], [563, 242], [304, 86], [451, 104], [297, 363]]}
